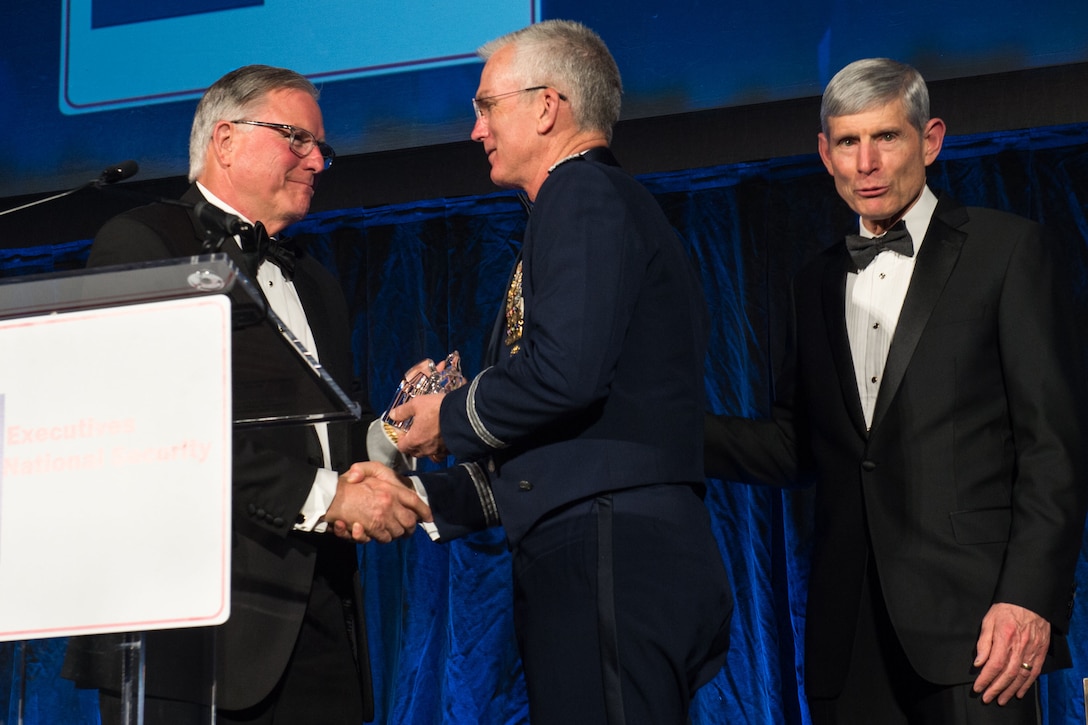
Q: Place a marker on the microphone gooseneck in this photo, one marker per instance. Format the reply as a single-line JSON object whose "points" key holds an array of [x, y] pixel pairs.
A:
{"points": [[218, 225], [109, 175]]}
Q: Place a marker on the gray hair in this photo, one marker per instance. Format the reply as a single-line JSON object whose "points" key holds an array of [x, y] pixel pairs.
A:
{"points": [[572, 59], [234, 96], [872, 82]]}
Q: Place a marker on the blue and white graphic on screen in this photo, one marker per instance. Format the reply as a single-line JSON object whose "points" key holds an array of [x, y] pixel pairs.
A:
{"points": [[108, 13], [123, 53]]}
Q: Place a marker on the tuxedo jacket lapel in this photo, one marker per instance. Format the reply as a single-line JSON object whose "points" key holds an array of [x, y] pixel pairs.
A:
{"points": [[936, 260], [834, 301]]}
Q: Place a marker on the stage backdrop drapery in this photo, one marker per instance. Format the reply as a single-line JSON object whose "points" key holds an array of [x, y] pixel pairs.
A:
{"points": [[426, 278]]}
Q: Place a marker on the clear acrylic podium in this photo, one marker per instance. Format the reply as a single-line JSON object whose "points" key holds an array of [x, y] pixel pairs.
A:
{"points": [[119, 390]]}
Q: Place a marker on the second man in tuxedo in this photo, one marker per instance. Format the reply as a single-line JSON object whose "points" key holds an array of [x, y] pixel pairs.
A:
{"points": [[936, 394]]}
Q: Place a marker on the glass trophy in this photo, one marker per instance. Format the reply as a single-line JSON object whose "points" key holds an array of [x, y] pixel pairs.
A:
{"points": [[426, 378]]}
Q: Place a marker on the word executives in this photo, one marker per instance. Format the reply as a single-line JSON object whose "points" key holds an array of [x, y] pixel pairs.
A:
{"points": [[188, 451]]}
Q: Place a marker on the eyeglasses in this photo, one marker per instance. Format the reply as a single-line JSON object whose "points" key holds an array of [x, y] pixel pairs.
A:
{"points": [[482, 106], [300, 140]]}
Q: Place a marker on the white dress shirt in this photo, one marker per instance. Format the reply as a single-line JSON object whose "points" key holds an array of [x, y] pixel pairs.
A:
{"points": [[284, 301], [874, 299]]}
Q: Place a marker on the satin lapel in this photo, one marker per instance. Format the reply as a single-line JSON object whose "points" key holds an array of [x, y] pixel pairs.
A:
{"points": [[312, 301], [936, 260], [192, 196], [833, 295], [309, 294]]}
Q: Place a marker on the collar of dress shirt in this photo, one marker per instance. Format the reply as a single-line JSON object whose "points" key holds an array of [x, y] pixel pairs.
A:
{"points": [[917, 218]]}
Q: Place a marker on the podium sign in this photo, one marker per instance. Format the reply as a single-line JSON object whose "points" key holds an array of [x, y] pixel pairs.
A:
{"points": [[115, 468]]}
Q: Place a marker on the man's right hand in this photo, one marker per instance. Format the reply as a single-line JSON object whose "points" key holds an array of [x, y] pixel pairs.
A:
{"points": [[373, 503]]}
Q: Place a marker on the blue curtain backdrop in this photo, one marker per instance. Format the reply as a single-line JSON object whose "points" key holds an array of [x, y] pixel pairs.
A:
{"points": [[426, 278]]}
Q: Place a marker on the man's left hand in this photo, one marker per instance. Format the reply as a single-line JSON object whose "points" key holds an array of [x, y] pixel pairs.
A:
{"points": [[1011, 649], [424, 437]]}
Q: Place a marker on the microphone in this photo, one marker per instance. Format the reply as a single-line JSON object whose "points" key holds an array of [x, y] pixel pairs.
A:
{"points": [[213, 217], [218, 224], [117, 172], [109, 175]]}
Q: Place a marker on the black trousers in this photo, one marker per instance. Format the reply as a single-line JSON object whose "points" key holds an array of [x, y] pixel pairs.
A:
{"points": [[621, 608], [883, 689]]}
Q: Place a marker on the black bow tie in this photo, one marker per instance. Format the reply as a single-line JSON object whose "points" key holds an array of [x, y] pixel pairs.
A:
{"points": [[864, 249], [279, 252]]}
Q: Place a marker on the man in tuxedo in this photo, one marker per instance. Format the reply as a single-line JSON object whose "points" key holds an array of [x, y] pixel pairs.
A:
{"points": [[583, 437], [294, 648], [936, 394]]}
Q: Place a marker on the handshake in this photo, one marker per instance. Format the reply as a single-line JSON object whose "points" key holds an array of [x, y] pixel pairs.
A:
{"points": [[373, 502]]}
